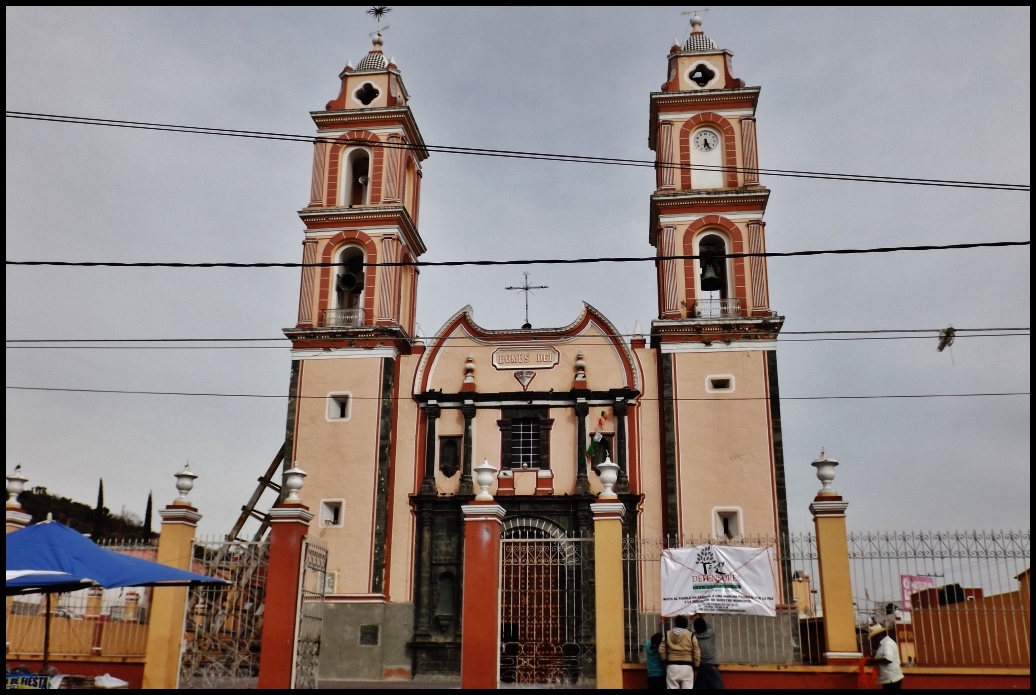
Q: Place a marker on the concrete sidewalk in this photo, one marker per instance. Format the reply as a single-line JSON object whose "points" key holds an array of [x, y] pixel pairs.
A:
{"points": [[389, 685]]}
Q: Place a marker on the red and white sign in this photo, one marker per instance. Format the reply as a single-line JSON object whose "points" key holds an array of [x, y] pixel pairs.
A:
{"points": [[911, 585]]}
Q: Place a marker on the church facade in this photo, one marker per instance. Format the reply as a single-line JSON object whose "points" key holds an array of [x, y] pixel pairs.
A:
{"points": [[388, 426]]}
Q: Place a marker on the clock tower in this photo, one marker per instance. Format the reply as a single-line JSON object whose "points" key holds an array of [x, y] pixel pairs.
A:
{"points": [[715, 335]]}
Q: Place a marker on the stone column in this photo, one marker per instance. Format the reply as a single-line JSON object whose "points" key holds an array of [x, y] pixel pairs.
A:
{"points": [[666, 172], [17, 518], [168, 603], [828, 511], [468, 411], [582, 482], [432, 410], [750, 159], [619, 408], [608, 591], [480, 621], [309, 256], [289, 525], [667, 282]]}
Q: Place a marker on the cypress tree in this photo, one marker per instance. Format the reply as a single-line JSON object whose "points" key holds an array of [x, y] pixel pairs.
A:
{"points": [[146, 531], [99, 512]]}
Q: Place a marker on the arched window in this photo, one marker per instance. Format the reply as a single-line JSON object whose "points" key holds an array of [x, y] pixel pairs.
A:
{"points": [[707, 151], [349, 287], [356, 183], [714, 295]]}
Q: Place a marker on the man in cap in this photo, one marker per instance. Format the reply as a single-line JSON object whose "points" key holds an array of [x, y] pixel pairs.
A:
{"points": [[885, 655]]}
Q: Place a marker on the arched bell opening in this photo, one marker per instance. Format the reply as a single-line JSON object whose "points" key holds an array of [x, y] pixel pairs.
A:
{"points": [[349, 288], [714, 298], [356, 184]]}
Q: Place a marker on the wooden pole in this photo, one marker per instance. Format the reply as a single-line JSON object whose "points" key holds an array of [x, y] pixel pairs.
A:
{"points": [[46, 636]]}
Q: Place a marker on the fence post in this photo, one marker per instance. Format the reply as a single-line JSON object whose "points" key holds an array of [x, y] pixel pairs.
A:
{"points": [[608, 605], [828, 509], [289, 524], [480, 608], [168, 603]]}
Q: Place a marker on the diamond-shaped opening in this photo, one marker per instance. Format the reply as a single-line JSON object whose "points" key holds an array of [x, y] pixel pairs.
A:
{"points": [[366, 93], [701, 74]]}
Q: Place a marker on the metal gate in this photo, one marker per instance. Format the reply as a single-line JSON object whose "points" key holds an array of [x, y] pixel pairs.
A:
{"points": [[547, 609], [310, 615], [224, 624]]}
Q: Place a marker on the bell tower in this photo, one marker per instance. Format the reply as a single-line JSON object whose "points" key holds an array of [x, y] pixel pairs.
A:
{"points": [[715, 333], [354, 342], [363, 207]]}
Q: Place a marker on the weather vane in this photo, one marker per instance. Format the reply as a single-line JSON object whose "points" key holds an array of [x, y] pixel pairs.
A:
{"points": [[378, 11], [527, 288]]}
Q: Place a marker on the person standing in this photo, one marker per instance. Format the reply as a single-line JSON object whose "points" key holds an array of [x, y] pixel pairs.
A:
{"points": [[885, 655], [708, 676], [680, 649], [655, 667]]}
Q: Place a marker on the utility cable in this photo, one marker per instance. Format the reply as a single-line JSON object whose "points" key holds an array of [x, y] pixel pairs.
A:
{"points": [[538, 261], [638, 399], [508, 154]]}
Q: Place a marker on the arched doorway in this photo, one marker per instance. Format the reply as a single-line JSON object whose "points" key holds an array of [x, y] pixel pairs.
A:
{"points": [[546, 616]]}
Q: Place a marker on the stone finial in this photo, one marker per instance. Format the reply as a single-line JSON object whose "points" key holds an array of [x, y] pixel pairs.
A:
{"points": [[469, 374], [484, 475], [695, 23], [184, 485], [609, 474], [293, 479], [825, 473], [580, 370], [15, 484], [349, 66]]}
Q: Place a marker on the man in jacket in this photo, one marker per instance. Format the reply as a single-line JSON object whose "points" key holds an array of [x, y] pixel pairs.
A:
{"points": [[680, 649], [708, 676]]}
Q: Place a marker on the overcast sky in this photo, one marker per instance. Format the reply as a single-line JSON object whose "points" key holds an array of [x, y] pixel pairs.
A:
{"points": [[905, 92]]}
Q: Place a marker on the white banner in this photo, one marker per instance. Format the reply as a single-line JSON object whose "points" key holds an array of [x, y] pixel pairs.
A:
{"points": [[718, 579]]}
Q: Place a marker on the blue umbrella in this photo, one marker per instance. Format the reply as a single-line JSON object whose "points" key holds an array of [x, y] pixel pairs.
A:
{"points": [[49, 558], [53, 547]]}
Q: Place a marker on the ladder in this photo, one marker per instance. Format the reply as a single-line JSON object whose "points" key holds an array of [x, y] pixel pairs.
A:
{"points": [[249, 510]]}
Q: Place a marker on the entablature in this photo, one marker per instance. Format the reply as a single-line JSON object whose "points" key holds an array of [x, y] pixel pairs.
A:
{"points": [[366, 216], [664, 103], [380, 117], [747, 332], [331, 342], [700, 202], [547, 399]]}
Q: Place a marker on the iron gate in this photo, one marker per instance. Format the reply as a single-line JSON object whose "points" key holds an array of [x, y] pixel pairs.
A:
{"points": [[310, 615], [224, 624], [547, 609]]}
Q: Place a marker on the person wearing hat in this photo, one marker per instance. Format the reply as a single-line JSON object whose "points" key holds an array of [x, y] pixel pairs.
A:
{"points": [[885, 655]]}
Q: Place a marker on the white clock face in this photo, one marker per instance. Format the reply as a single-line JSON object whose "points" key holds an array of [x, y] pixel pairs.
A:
{"points": [[705, 141]]}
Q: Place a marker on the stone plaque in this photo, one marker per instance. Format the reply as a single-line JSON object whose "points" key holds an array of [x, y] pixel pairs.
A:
{"points": [[526, 358]]}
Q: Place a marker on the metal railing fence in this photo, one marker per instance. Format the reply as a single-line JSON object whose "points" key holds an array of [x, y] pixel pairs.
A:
{"points": [[343, 318], [951, 598], [794, 636], [717, 308]]}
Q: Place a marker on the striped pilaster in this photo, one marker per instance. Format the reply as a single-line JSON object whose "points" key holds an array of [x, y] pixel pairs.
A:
{"points": [[666, 175], [316, 192], [670, 289], [750, 158], [309, 256], [756, 244]]}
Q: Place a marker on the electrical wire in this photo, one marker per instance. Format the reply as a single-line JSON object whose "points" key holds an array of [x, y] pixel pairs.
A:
{"points": [[537, 261], [507, 154], [638, 399], [602, 341]]}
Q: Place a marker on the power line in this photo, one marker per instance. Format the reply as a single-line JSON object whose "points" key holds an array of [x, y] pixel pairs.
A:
{"points": [[508, 154], [452, 337], [602, 341], [537, 261], [532, 397]]}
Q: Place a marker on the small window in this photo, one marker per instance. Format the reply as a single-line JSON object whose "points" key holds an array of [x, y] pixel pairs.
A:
{"points": [[701, 75], [449, 455], [370, 635], [332, 513], [719, 383], [728, 524], [339, 406], [366, 93], [330, 582]]}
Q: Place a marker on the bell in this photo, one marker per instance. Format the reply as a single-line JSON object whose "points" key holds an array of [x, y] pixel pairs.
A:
{"points": [[710, 282]]}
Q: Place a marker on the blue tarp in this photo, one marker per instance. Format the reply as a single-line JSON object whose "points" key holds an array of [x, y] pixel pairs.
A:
{"points": [[52, 546]]}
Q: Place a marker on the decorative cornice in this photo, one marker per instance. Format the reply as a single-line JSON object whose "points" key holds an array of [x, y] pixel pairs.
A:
{"points": [[15, 517], [176, 514], [368, 216], [607, 510], [483, 512], [729, 330], [359, 118], [288, 514], [555, 399], [829, 506]]}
